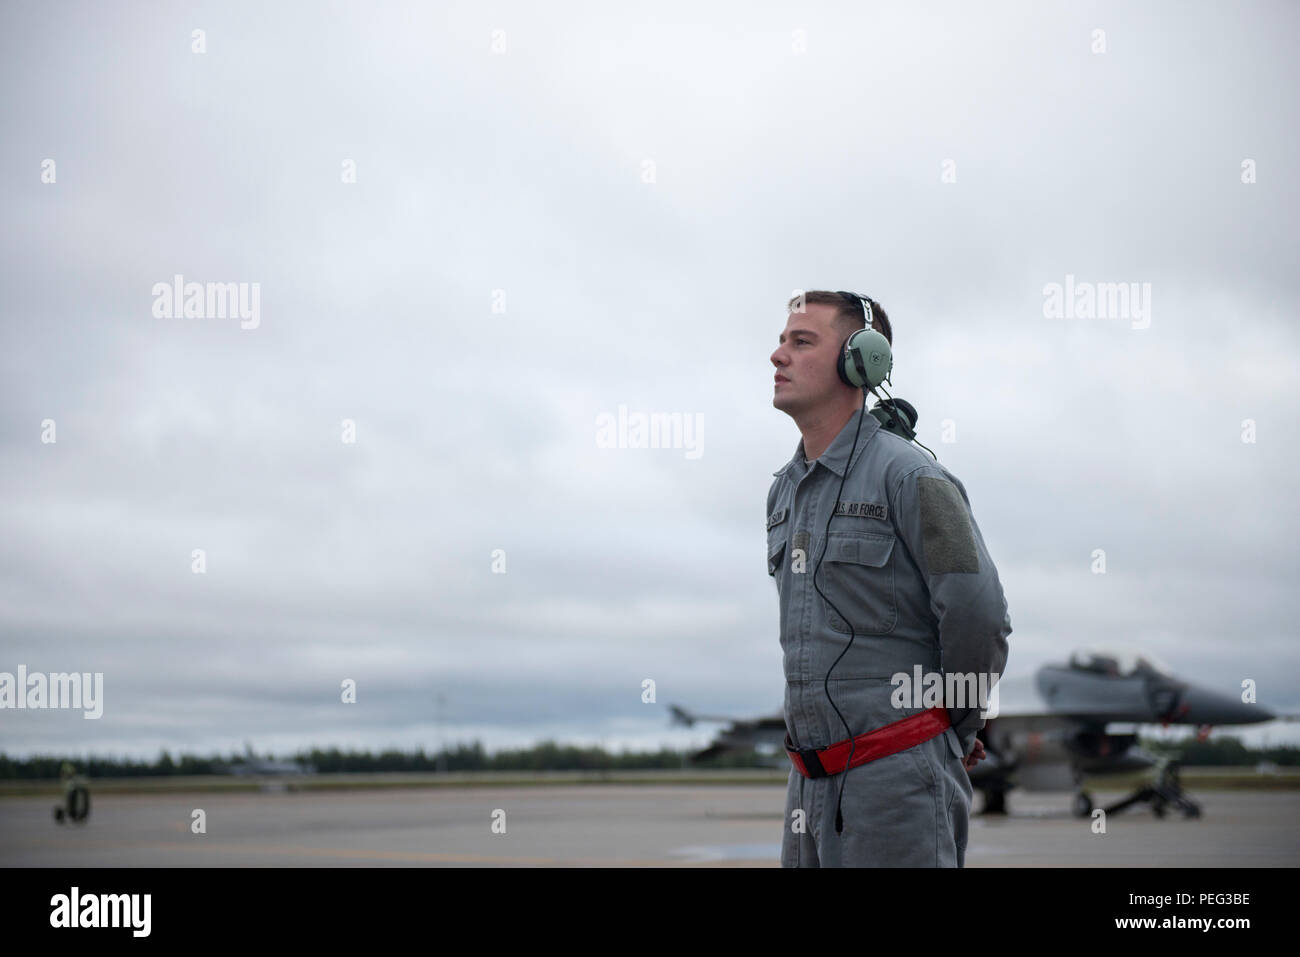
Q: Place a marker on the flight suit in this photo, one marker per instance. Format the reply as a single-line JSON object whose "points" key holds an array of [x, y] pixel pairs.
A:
{"points": [[906, 565]]}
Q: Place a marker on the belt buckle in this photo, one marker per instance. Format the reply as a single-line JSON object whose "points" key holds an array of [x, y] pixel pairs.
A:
{"points": [[812, 763]]}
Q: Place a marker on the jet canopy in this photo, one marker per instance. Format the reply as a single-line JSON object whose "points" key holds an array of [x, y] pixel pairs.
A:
{"points": [[1118, 662]]}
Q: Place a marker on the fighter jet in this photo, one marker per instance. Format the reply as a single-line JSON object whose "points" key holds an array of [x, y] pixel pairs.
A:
{"points": [[765, 735], [263, 766], [1086, 726], [254, 766], [1094, 704]]}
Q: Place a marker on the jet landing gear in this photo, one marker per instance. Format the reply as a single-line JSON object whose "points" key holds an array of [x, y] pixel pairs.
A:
{"points": [[1165, 792], [995, 801]]}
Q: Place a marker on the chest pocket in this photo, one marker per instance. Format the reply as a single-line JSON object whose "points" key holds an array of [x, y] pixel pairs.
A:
{"points": [[858, 576]]}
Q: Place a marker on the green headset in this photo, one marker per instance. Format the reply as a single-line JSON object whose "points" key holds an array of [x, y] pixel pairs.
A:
{"points": [[865, 356], [865, 361]]}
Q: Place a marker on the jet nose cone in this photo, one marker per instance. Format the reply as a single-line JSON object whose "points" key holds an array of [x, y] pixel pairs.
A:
{"points": [[1213, 708]]}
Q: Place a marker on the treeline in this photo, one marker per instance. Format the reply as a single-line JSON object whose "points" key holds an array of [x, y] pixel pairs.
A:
{"points": [[48, 766], [547, 756]]}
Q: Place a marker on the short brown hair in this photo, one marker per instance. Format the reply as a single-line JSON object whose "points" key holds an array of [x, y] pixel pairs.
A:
{"points": [[849, 315]]}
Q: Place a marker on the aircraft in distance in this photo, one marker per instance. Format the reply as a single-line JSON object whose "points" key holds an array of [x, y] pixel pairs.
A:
{"points": [[263, 766], [764, 735], [1094, 703], [1087, 726], [253, 765]]}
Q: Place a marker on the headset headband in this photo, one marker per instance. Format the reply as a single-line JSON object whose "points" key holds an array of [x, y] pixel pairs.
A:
{"points": [[863, 302]]}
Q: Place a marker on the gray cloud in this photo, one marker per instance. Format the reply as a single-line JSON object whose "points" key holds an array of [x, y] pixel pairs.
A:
{"points": [[476, 430]]}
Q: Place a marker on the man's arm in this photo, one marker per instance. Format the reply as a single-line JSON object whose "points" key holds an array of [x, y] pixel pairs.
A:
{"points": [[934, 520]]}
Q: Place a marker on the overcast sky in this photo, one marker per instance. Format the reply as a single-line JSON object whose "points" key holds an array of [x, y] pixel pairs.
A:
{"points": [[592, 209]]}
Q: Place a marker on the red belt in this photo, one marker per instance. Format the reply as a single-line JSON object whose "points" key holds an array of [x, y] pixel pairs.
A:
{"points": [[890, 739]]}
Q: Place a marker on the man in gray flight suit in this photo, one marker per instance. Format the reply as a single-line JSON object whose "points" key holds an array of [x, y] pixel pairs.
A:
{"points": [[906, 567]]}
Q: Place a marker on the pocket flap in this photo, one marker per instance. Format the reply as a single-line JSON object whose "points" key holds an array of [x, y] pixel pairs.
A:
{"points": [[774, 556], [870, 550]]}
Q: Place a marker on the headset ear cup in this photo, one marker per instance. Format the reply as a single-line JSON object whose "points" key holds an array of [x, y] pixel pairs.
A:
{"points": [[865, 359], [841, 364], [907, 411]]}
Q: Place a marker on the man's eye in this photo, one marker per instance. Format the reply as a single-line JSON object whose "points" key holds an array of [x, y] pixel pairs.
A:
{"points": [[802, 340]]}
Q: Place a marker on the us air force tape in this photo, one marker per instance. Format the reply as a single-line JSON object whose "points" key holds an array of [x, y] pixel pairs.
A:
{"points": [[863, 509]]}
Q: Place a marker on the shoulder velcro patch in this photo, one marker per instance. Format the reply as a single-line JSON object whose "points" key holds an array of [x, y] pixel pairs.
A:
{"points": [[946, 533]]}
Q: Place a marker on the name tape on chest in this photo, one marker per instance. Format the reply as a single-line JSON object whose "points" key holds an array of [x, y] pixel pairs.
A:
{"points": [[776, 518], [863, 510]]}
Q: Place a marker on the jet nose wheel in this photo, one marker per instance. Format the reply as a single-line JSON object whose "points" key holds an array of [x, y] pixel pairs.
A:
{"points": [[1082, 804]]}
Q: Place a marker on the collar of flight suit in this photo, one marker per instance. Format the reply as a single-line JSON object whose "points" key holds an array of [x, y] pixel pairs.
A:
{"points": [[837, 454]]}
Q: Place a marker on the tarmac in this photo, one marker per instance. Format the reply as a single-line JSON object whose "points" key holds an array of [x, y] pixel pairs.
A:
{"points": [[667, 825]]}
